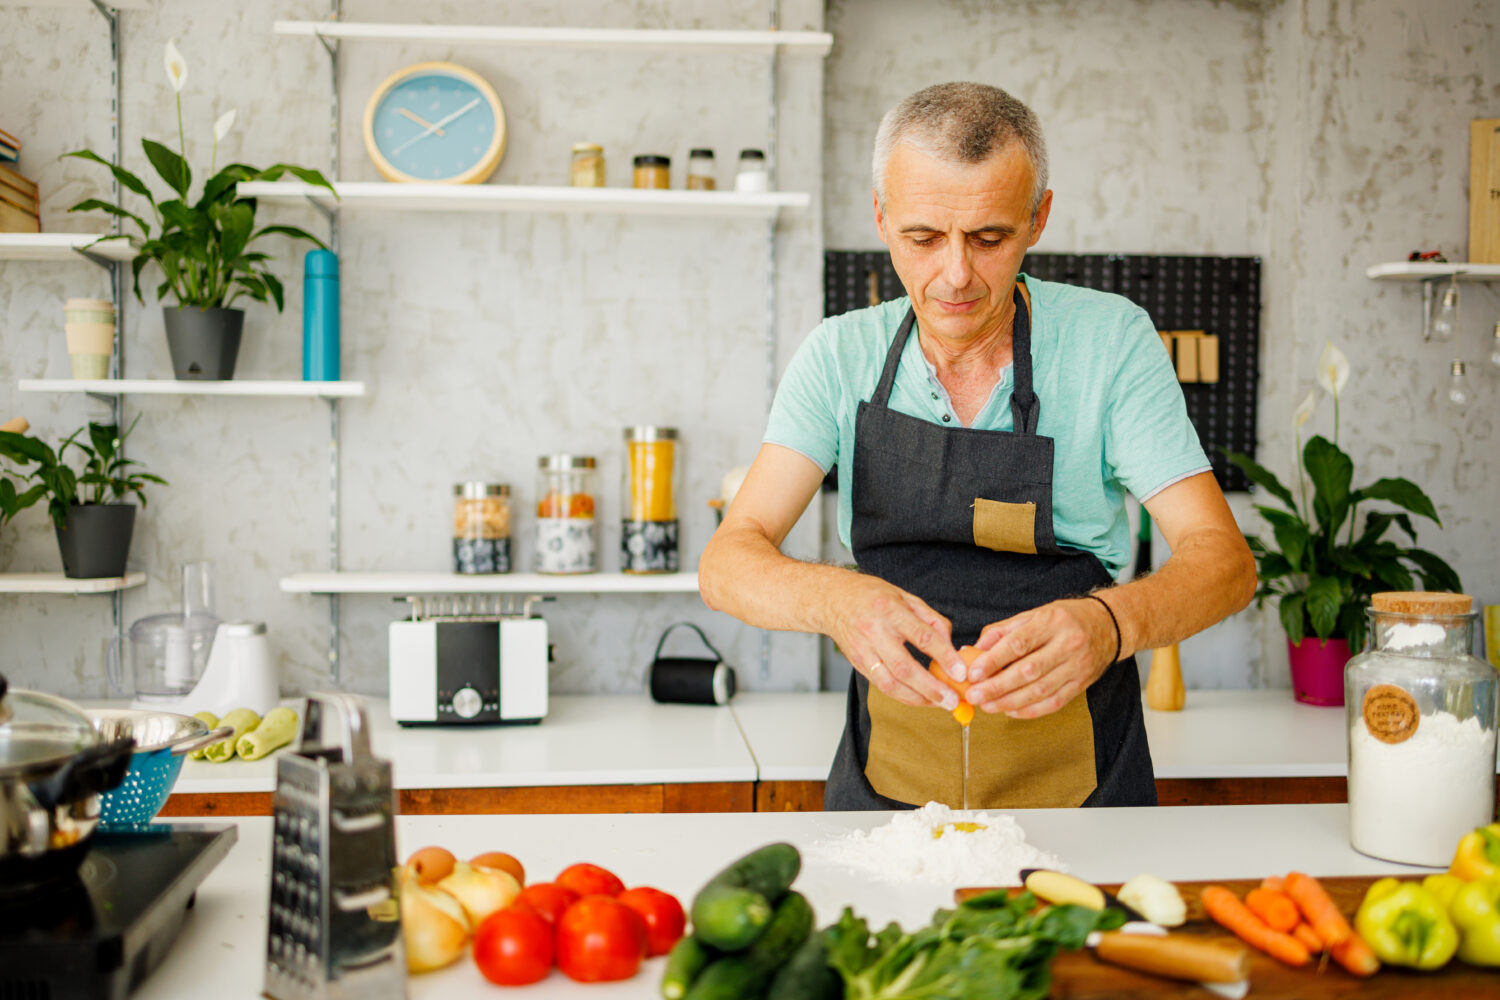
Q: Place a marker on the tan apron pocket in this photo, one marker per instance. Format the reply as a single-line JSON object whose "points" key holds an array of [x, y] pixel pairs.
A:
{"points": [[916, 756], [1005, 527]]}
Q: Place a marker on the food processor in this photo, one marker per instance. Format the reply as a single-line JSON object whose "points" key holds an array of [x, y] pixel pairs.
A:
{"points": [[168, 652]]}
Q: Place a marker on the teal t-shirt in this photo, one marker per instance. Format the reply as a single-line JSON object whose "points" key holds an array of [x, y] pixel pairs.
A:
{"points": [[1109, 399]]}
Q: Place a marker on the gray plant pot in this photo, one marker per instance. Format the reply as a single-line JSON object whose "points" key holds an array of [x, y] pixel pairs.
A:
{"points": [[204, 343], [96, 540]]}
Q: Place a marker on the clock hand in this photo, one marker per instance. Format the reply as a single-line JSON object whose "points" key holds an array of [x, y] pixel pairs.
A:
{"points": [[436, 125], [418, 119]]}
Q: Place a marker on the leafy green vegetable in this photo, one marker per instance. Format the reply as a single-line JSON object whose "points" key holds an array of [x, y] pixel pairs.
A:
{"points": [[990, 946]]}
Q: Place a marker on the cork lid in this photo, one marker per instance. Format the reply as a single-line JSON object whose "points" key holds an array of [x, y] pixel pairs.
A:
{"points": [[1415, 602]]}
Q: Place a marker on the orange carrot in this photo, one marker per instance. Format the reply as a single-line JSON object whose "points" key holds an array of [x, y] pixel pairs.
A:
{"points": [[1318, 909], [1273, 882], [1275, 908], [1303, 932], [1225, 908], [1356, 956]]}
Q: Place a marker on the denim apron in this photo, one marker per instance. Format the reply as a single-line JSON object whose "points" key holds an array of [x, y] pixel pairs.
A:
{"points": [[962, 518]]}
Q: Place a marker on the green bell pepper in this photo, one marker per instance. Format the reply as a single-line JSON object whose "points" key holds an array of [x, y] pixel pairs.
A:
{"points": [[1405, 924], [1476, 911]]}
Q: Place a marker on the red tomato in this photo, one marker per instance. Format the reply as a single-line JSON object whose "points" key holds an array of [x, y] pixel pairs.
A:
{"points": [[664, 918], [590, 880], [600, 940], [547, 898], [514, 946]]}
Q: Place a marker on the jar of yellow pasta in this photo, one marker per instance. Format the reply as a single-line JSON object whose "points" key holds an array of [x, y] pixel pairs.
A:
{"points": [[481, 528], [648, 500]]}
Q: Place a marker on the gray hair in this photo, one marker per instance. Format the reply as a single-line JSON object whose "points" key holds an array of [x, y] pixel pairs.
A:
{"points": [[962, 123]]}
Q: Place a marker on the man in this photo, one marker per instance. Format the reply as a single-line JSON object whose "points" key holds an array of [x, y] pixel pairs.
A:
{"points": [[985, 430]]}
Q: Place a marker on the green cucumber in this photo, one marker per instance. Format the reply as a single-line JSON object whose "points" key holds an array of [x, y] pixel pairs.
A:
{"points": [[807, 976], [732, 910], [745, 976], [686, 959]]}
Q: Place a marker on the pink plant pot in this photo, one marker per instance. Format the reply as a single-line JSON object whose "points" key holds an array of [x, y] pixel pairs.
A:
{"points": [[1318, 670]]}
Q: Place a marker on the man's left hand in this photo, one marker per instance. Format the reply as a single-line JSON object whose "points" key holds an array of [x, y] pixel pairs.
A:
{"points": [[1036, 662]]}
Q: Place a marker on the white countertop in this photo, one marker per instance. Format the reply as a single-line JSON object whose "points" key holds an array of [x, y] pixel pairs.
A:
{"points": [[223, 940], [585, 740]]}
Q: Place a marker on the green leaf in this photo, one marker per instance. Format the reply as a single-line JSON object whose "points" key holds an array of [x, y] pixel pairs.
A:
{"points": [[127, 180], [172, 168], [292, 231], [178, 215], [253, 286], [223, 183], [22, 449], [274, 284], [1331, 471], [1435, 573], [1402, 493], [305, 174], [1293, 613], [98, 205], [1393, 576], [1274, 565], [104, 438], [1324, 597], [236, 222], [1260, 476], [1348, 559]]}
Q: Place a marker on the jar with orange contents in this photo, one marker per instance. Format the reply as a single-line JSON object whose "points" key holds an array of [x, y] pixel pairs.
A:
{"points": [[567, 536], [648, 498]]}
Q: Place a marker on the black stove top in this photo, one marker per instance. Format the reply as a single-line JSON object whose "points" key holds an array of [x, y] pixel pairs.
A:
{"points": [[100, 932]]}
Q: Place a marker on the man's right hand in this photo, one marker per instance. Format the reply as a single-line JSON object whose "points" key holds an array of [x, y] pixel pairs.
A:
{"points": [[872, 621]]}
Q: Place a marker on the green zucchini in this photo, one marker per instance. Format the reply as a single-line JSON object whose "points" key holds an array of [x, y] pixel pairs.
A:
{"points": [[686, 959], [210, 720], [745, 976], [732, 910], [807, 976], [276, 730], [242, 720]]}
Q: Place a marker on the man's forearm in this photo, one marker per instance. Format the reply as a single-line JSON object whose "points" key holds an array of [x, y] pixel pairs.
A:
{"points": [[1210, 576], [743, 574]]}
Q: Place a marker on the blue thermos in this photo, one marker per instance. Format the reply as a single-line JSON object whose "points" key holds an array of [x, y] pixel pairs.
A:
{"points": [[320, 316]]}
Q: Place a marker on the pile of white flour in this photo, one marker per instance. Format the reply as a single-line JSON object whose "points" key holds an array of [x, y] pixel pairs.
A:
{"points": [[935, 844]]}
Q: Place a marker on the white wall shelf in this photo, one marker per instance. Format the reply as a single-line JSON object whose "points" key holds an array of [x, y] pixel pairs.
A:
{"points": [[816, 43], [60, 246], [188, 387], [496, 583], [530, 198], [56, 583], [1412, 270], [82, 4]]}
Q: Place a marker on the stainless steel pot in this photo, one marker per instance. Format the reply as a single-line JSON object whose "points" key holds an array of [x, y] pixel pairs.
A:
{"points": [[53, 767]]}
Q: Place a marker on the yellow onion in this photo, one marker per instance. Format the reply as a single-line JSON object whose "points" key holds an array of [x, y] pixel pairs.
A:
{"points": [[431, 864], [432, 924], [481, 891]]}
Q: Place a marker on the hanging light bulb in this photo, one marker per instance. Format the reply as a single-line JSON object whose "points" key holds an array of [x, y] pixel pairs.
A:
{"points": [[1495, 347], [1458, 386], [1446, 322]]}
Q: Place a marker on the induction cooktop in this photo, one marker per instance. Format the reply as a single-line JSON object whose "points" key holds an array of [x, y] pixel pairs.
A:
{"points": [[100, 932]]}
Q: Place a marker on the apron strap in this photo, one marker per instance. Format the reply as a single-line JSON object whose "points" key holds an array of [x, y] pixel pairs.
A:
{"points": [[1025, 408]]}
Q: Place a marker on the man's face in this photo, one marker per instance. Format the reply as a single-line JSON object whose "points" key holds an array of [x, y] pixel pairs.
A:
{"points": [[958, 233]]}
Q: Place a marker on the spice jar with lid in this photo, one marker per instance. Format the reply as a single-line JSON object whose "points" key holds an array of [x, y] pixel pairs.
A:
{"points": [[567, 539], [481, 528], [653, 172], [752, 176], [648, 500], [1422, 715], [587, 166], [700, 170]]}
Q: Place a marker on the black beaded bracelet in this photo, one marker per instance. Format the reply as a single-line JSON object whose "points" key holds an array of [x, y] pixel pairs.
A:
{"points": [[1113, 621]]}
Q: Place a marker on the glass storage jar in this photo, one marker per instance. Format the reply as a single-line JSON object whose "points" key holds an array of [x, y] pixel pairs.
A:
{"points": [[653, 172], [648, 501], [481, 528], [1422, 715], [587, 166], [700, 170], [567, 535], [752, 175]]}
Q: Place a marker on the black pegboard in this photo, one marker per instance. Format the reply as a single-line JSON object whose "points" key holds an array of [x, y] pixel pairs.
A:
{"points": [[1218, 295]]}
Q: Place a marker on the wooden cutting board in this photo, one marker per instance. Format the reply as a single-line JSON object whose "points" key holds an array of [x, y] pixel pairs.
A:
{"points": [[1081, 976]]}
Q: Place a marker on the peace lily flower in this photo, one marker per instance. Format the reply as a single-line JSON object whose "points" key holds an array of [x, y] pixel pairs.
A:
{"points": [[221, 129], [1305, 409], [1333, 372], [1301, 416], [176, 66]]}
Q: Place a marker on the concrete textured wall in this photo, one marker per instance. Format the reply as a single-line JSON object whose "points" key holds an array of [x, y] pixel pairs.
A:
{"points": [[485, 340], [1323, 136]]}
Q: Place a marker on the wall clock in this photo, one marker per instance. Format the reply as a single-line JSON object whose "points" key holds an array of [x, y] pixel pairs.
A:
{"points": [[435, 122]]}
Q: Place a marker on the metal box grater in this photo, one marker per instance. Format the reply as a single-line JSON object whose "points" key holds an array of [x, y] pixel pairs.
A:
{"points": [[334, 929]]}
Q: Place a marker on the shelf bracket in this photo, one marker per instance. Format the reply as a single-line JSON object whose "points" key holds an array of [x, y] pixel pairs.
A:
{"points": [[323, 210]]}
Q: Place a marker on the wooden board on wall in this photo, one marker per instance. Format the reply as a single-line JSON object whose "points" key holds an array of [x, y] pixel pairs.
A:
{"points": [[1484, 191]]}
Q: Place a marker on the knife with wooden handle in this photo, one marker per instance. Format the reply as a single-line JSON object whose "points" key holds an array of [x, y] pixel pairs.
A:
{"points": [[1176, 956]]}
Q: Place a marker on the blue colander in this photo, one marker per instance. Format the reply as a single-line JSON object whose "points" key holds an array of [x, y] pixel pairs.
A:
{"points": [[161, 740]]}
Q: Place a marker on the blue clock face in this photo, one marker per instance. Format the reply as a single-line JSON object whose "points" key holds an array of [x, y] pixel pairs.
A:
{"points": [[433, 126]]}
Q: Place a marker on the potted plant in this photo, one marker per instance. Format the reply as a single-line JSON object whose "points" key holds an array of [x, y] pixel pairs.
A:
{"points": [[88, 509], [1327, 556], [202, 247]]}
